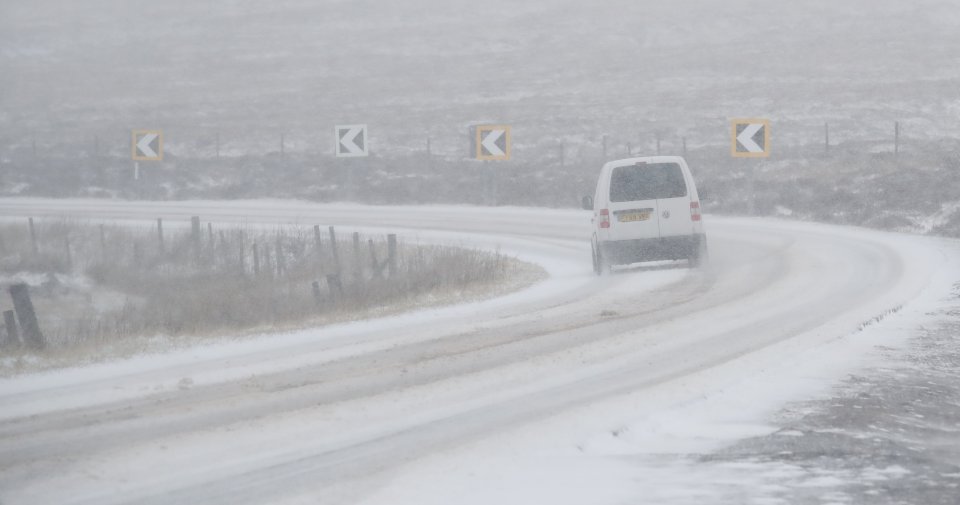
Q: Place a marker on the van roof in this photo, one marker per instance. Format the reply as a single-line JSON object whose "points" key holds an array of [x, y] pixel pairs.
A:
{"points": [[645, 159]]}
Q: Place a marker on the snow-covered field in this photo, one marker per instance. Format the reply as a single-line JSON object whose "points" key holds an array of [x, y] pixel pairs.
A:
{"points": [[577, 390]]}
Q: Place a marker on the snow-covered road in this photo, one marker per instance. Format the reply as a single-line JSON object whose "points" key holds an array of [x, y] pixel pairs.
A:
{"points": [[412, 408]]}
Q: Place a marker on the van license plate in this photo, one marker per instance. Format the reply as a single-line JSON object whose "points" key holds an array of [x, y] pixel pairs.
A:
{"points": [[633, 216]]}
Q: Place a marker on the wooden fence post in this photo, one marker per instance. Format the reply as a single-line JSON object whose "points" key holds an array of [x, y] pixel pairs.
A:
{"points": [[335, 287], [335, 250], [33, 238], [26, 316], [358, 267], [66, 246], [210, 242], [13, 336], [195, 237], [317, 296], [256, 259], [317, 241], [160, 245], [392, 254], [266, 260], [243, 260], [896, 137], [375, 265], [826, 138], [281, 261], [224, 248]]}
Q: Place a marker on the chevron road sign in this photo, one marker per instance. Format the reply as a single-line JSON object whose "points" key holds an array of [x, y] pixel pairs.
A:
{"points": [[492, 142], [351, 140], [146, 145], [750, 138]]}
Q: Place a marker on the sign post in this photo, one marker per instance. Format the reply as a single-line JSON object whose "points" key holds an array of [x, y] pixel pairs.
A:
{"points": [[145, 145], [750, 138], [351, 141], [493, 142]]}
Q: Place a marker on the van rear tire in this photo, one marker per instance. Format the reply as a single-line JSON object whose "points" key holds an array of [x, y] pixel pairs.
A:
{"points": [[600, 264], [701, 256], [596, 258]]}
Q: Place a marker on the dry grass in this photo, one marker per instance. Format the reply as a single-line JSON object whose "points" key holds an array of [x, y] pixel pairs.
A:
{"points": [[115, 288]]}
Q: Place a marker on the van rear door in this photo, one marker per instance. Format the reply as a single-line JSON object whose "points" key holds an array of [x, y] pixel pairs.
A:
{"points": [[633, 208], [648, 200], [674, 202]]}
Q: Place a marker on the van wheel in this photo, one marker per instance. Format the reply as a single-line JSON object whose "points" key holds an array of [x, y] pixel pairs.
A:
{"points": [[600, 265], [596, 259], [701, 256]]}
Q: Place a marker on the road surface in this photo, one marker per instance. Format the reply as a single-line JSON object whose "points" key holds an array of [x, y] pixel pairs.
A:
{"points": [[335, 414]]}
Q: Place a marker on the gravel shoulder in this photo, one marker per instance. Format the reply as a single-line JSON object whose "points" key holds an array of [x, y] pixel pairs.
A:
{"points": [[888, 435]]}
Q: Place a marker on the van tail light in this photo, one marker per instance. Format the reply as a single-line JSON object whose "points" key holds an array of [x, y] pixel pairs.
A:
{"points": [[694, 211], [604, 218]]}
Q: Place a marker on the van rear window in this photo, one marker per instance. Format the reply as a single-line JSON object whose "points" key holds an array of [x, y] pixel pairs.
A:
{"points": [[648, 181]]}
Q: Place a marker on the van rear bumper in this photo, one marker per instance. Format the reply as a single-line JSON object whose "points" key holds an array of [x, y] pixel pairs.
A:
{"points": [[622, 252]]}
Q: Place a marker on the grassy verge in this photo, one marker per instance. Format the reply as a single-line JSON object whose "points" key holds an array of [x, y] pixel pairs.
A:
{"points": [[104, 291]]}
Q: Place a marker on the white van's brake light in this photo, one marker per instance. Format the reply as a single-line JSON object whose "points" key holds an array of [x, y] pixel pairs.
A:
{"points": [[605, 218], [694, 211]]}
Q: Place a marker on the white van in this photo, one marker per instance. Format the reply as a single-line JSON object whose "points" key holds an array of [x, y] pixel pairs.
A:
{"points": [[646, 209]]}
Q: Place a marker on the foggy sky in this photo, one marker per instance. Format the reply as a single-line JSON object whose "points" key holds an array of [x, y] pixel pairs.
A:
{"points": [[429, 67]]}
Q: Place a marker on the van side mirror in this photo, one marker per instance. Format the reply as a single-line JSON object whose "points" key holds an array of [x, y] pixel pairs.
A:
{"points": [[587, 203]]}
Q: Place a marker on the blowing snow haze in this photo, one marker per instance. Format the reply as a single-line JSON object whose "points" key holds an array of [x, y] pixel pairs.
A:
{"points": [[250, 70], [438, 252]]}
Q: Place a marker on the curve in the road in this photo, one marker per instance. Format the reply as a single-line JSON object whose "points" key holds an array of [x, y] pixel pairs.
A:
{"points": [[439, 382]]}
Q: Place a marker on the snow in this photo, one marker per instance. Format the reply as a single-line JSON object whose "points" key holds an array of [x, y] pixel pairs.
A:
{"points": [[228, 359], [622, 418], [947, 210], [596, 456], [562, 462]]}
